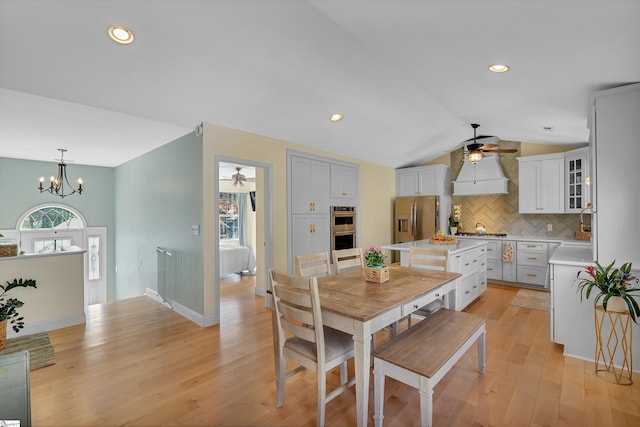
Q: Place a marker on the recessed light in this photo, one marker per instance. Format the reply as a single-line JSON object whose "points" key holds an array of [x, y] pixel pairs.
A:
{"points": [[336, 117], [120, 34], [499, 68]]}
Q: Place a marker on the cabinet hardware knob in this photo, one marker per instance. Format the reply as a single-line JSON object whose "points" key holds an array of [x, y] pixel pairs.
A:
{"points": [[532, 257], [532, 275], [415, 305], [466, 292], [475, 286], [344, 194]]}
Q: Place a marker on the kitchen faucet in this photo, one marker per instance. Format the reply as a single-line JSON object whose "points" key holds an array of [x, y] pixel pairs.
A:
{"points": [[581, 234]]}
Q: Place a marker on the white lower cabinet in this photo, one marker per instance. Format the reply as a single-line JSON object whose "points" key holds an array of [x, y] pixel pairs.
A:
{"points": [[312, 234], [494, 260], [472, 265], [532, 258]]}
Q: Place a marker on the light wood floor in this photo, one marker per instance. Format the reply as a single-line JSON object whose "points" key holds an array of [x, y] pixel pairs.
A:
{"points": [[137, 363]]}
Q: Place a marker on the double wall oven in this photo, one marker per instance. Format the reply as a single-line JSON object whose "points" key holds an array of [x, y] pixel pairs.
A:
{"points": [[343, 227]]}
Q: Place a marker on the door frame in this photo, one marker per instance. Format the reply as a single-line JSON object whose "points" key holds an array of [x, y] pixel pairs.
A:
{"points": [[267, 245]]}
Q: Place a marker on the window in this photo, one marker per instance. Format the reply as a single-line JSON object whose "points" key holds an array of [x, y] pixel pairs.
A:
{"points": [[49, 228], [228, 216], [51, 217]]}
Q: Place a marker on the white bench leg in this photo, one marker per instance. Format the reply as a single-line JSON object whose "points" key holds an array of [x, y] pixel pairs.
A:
{"points": [[426, 402], [481, 351], [378, 393]]}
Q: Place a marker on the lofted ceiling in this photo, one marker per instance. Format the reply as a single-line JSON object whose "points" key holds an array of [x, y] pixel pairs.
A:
{"points": [[409, 76]]}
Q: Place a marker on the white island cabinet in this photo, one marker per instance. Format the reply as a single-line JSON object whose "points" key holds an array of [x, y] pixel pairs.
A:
{"points": [[467, 257]]}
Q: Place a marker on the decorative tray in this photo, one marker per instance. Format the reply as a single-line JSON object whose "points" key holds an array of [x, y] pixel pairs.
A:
{"points": [[443, 241]]}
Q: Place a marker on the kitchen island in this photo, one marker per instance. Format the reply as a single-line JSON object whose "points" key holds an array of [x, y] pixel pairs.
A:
{"points": [[467, 257]]}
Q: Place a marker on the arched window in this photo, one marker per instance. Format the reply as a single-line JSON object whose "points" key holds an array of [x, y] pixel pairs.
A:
{"points": [[48, 217], [51, 228]]}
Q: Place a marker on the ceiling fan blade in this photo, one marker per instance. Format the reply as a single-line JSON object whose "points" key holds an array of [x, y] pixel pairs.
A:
{"points": [[487, 146], [506, 150]]}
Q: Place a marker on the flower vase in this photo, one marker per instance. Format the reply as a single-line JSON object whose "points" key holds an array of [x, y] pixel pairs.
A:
{"points": [[377, 274], [454, 230], [616, 304]]}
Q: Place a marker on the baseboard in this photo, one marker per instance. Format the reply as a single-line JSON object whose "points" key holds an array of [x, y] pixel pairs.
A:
{"points": [[48, 325], [195, 317], [590, 359]]}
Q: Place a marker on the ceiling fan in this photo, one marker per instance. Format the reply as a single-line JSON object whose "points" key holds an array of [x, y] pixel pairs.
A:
{"points": [[238, 178], [476, 149]]}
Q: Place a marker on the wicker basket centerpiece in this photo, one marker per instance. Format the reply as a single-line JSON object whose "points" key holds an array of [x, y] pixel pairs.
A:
{"points": [[378, 274], [376, 271], [8, 249]]}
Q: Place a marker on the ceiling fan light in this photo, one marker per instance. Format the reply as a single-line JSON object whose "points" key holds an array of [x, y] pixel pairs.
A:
{"points": [[474, 156]]}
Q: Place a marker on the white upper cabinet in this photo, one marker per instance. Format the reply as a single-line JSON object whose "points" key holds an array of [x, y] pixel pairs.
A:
{"points": [[555, 183], [421, 181], [577, 180], [541, 182], [344, 185], [309, 185]]}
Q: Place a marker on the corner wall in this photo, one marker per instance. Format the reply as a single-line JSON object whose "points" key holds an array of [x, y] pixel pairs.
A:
{"points": [[158, 199]]}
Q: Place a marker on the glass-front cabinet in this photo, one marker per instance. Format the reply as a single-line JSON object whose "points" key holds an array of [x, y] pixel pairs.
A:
{"points": [[577, 180]]}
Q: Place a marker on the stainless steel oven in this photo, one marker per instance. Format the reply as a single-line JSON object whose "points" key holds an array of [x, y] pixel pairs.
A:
{"points": [[343, 227]]}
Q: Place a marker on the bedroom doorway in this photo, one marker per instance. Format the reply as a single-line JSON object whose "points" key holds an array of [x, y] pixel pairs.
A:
{"points": [[243, 232]]}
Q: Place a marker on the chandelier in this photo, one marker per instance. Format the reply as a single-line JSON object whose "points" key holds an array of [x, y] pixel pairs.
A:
{"points": [[57, 183]]}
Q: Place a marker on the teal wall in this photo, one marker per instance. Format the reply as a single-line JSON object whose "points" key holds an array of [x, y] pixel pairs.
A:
{"points": [[19, 193], [158, 199]]}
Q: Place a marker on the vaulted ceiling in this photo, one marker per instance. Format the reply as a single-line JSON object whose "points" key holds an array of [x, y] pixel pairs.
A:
{"points": [[409, 76]]}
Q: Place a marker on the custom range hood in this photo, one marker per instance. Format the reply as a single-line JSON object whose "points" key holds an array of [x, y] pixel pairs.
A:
{"points": [[484, 178]]}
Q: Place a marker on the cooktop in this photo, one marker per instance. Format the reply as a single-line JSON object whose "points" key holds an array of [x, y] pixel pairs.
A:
{"points": [[467, 234]]}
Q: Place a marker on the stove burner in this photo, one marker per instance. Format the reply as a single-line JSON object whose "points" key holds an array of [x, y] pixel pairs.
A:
{"points": [[467, 234]]}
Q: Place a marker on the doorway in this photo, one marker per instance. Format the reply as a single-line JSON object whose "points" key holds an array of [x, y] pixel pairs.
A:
{"points": [[242, 181]]}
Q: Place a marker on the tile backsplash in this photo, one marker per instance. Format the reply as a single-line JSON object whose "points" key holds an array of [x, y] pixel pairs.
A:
{"points": [[500, 213]]}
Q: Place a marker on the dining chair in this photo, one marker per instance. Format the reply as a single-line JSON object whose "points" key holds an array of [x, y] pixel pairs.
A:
{"points": [[347, 258], [300, 336], [433, 259], [313, 264]]}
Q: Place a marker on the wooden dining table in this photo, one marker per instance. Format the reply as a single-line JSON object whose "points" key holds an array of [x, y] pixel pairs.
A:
{"points": [[351, 304]]}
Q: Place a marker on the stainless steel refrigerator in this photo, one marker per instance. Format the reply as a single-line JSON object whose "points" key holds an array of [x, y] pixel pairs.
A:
{"points": [[416, 218]]}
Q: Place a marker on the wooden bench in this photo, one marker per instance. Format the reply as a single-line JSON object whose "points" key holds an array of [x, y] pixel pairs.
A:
{"points": [[424, 354]]}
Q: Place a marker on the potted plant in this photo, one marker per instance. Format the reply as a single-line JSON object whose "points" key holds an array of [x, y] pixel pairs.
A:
{"points": [[376, 270], [614, 285], [9, 307]]}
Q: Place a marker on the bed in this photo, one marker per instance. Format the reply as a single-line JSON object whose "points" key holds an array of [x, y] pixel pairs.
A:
{"points": [[236, 259]]}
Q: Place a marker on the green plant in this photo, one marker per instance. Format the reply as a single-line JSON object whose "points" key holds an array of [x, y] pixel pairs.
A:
{"points": [[610, 282], [9, 306], [374, 256]]}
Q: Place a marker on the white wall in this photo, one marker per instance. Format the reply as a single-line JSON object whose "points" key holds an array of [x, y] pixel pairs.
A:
{"points": [[58, 300]]}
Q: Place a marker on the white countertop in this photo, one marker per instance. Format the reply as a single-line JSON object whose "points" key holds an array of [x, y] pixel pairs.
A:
{"points": [[561, 240], [461, 245], [580, 256]]}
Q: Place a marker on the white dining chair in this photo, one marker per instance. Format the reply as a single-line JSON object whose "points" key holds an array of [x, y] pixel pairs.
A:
{"points": [[313, 264], [302, 338], [344, 259]]}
